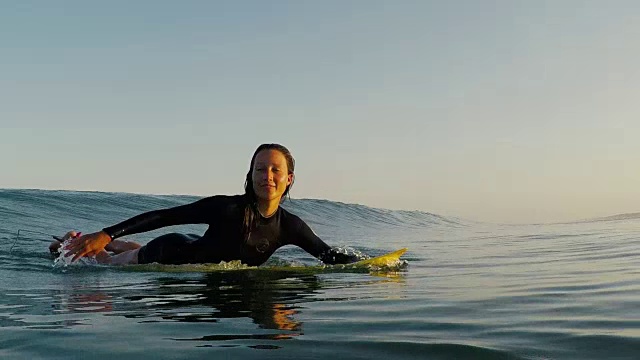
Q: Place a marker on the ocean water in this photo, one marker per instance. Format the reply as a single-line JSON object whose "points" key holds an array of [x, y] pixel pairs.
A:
{"points": [[468, 291]]}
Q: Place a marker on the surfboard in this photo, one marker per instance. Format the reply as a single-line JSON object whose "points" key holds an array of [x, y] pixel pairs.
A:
{"points": [[389, 261]]}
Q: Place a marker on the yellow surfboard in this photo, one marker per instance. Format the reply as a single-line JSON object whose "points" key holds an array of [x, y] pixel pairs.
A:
{"points": [[387, 260], [383, 260]]}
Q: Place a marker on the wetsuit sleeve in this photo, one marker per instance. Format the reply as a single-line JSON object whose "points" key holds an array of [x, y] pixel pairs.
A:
{"points": [[195, 213], [311, 243]]}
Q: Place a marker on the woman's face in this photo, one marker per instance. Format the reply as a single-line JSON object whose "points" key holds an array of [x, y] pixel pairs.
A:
{"points": [[270, 175]]}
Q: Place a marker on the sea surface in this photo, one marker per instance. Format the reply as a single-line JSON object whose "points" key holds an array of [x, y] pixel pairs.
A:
{"points": [[467, 290]]}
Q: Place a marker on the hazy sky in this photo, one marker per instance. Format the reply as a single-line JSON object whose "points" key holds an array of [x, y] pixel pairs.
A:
{"points": [[501, 111]]}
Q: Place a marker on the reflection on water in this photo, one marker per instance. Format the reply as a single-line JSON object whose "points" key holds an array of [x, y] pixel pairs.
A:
{"points": [[271, 300]]}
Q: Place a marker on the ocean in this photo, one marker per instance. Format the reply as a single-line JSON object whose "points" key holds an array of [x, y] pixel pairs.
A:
{"points": [[468, 290]]}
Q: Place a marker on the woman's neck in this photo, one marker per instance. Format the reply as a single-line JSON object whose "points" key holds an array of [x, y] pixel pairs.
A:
{"points": [[268, 208]]}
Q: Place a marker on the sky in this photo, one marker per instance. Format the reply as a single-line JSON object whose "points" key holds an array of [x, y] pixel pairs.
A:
{"points": [[499, 111]]}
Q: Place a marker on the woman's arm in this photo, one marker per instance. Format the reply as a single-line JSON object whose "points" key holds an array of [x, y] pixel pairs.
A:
{"points": [[311, 243], [92, 244]]}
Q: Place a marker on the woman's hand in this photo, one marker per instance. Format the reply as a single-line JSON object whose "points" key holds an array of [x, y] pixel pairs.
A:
{"points": [[54, 247], [87, 245]]}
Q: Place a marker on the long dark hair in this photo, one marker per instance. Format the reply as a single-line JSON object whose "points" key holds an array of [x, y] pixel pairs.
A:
{"points": [[251, 209]]}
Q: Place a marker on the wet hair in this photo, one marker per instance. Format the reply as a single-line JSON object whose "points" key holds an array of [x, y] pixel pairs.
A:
{"points": [[251, 209]]}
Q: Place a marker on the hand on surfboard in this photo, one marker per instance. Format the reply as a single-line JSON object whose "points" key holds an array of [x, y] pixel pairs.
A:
{"points": [[87, 245]]}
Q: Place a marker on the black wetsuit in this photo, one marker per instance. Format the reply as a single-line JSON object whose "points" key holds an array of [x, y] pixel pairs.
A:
{"points": [[224, 240]]}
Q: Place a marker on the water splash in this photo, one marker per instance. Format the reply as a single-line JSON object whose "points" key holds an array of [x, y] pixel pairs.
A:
{"points": [[64, 259], [347, 250]]}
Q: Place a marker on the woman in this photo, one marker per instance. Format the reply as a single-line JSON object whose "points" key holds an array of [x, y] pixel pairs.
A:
{"points": [[248, 227]]}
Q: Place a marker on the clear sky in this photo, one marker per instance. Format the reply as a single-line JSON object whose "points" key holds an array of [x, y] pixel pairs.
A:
{"points": [[506, 111]]}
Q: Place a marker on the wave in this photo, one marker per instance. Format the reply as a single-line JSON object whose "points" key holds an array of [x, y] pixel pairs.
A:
{"points": [[114, 205], [365, 215], [626, 216]]}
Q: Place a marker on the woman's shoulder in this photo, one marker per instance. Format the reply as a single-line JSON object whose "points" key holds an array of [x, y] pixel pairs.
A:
{"points": [[224, 201], [238, 198], [297, 228], [290, 218]]}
